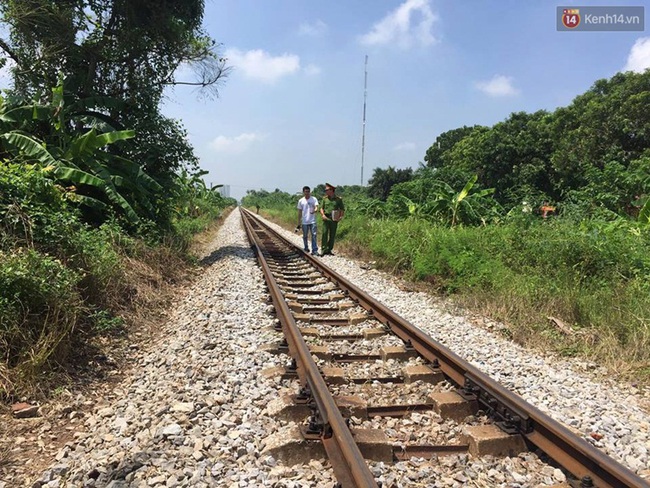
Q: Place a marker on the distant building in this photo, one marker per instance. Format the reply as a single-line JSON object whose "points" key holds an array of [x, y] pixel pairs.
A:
{"points": [[224, 191]]}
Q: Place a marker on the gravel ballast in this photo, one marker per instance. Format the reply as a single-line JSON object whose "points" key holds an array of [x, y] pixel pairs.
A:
{"points": [[192, 411]]}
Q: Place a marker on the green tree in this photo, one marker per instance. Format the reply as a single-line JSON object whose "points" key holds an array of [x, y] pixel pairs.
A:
{"points": [[128, 50], [513, 157], [382, 181], [112, 50], [608, 123], [435, 156], [265, 199]]}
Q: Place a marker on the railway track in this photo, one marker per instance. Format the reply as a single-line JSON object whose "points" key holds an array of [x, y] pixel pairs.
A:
{"points": [[373, 386]]}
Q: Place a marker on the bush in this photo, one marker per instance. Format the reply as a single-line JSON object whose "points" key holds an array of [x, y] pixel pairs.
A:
{"points": [[97, 256], [33, 208], [459, 259], [396, 243], [39, 308]]}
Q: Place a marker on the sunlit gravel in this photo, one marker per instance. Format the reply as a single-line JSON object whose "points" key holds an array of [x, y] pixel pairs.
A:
{"points": [[193, 410]]}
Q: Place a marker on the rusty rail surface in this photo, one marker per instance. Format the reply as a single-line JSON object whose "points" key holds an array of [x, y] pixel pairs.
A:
{"points": [[349, 466], [512, 413]]}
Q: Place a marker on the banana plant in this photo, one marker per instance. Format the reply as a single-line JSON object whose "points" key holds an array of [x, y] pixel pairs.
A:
{"points": [[75, 156], [31, 150], [461, 202], [464, 206], [372, 207], [190, 190]]}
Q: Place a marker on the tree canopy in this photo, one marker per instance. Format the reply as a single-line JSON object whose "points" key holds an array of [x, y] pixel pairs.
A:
{"points": [[118, 57], [106, 64], [594, 150], [383, 180]]}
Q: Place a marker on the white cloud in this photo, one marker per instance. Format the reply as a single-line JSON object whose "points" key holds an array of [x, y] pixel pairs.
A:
{"points": [[410, 23], [237, 144], [316, 29], [639, 57], [312, 70], [405, 146], [260, 65], [498, 86]]}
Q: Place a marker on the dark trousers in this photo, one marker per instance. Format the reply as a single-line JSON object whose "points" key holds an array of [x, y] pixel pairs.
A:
{"points": [[329, 235]]}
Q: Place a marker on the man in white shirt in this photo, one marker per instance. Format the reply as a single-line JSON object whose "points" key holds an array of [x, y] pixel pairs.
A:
{"points": [[307, 208]]}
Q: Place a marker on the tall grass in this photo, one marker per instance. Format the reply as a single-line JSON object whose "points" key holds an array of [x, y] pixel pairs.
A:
{"points": [[594, 277], [39, 308]]}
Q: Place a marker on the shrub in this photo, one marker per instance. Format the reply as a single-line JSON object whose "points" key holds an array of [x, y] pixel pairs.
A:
{"points": [[39, 308], [459, 258]]}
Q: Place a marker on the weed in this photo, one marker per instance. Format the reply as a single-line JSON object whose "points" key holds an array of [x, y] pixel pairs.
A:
{"points": [[104, 322]]}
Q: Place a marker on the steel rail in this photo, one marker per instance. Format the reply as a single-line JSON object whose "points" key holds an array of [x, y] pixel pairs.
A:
{"points": [[569, 450], [349, 466]]}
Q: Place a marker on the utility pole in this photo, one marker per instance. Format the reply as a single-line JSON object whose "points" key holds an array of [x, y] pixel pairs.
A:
{"points": [[363, 131]]}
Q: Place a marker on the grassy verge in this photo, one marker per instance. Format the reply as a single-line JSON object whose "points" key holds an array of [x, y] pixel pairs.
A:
{"points": [[577, 289]]}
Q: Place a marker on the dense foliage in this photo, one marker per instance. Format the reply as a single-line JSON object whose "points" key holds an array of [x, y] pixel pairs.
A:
{"points": [[99, 192], [593, 153], [111, 62]]}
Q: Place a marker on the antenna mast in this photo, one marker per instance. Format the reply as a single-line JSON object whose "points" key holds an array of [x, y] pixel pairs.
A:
{"points": [[363, 132]]}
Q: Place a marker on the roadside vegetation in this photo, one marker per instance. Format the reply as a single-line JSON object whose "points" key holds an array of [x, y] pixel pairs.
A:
{"points": [[541, 221], [100, 194]]}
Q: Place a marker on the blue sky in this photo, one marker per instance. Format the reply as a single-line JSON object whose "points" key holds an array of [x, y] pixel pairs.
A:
{"points": [[290, 112]]}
